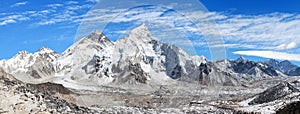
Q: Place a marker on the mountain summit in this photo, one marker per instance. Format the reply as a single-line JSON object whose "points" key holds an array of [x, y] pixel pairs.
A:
{"points": [[141, 33], [241, 59], [99, 37], [45, 50]]}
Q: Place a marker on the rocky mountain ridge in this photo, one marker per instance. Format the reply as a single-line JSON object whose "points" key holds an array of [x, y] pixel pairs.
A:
{"points": [[285, 66]]}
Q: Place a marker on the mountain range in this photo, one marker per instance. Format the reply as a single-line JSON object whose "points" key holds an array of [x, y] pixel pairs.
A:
{"points": [[137, 58], [139, 74]]}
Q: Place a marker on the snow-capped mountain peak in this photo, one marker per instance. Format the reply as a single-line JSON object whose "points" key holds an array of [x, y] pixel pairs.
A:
{"points": [[21, 55], [142, 33], [45, 53], [99, 37], [241, 59], [45, 50]]}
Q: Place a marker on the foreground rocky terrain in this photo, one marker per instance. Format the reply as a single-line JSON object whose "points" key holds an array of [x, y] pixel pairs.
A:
{"points": [[19, 98], [139, 74]]}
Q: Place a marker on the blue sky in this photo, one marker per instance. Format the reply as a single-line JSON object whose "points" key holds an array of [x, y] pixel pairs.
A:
{"points": [[256, 29], [253, 7]]}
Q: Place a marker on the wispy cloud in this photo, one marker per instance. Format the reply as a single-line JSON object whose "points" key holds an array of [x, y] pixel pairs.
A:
{"points": [[271, 55], [287, 46], [93, 0], [5, 22], [267, 31], [55, 5], [12, 19], [72, 2], [19, 4], [69, 14], [268, 28]]}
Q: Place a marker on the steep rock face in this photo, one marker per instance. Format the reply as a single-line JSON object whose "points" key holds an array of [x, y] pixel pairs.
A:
{"points": [[135, 75], [179, 65]]}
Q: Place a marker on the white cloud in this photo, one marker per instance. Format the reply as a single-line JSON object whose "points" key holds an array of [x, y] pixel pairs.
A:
{"points": [[232, 46], [19, 4], [268, 31], [47, 22], [72, 2], [12, 19], [291, 45], [68, 13], [270, 55], [5, 22], [55, 5], [93, 0]]}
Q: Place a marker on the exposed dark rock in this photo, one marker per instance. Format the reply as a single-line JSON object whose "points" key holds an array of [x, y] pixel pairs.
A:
{"points": [[292, 108], [294, 72], [274, 93], [139, 75], [51, 87], [284, 66], [93, 65], [245, 66]]}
